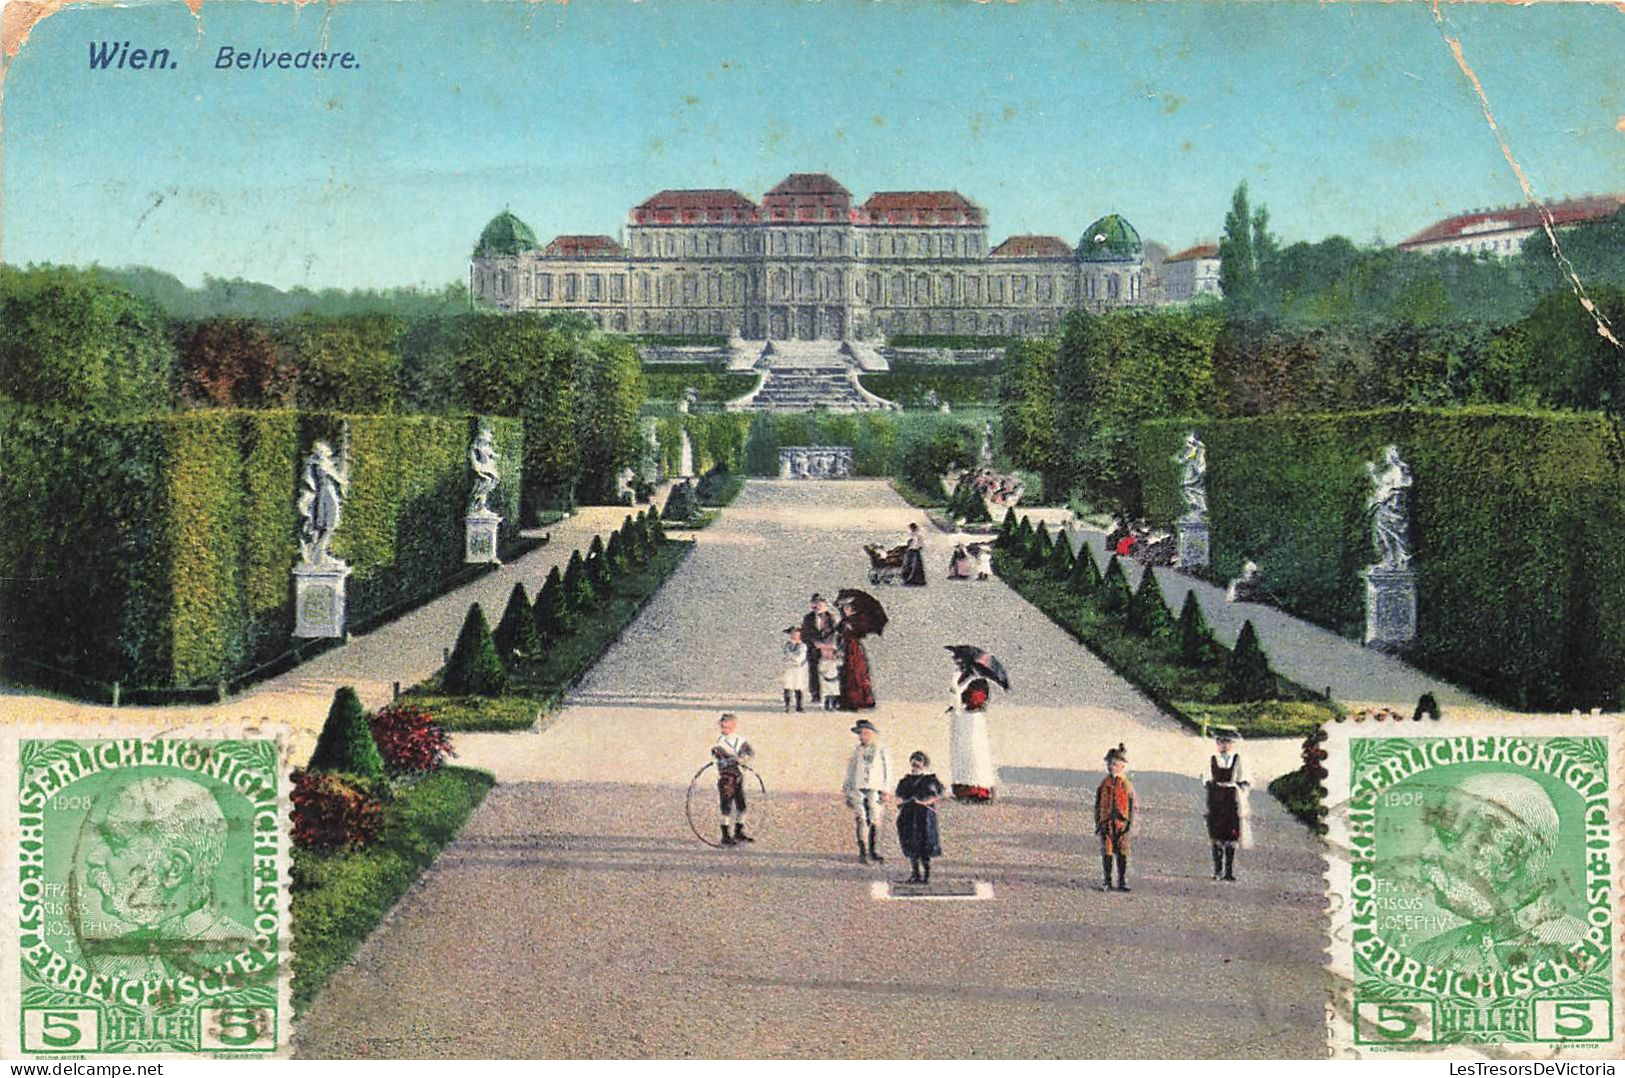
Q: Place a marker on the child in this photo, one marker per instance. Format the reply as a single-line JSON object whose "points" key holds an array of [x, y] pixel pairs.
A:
{"points": [[795, 667], [1114, 816], [984, 560], [868, 782], [731, 752], [917, 797], [829, 676], [1226, 804]]}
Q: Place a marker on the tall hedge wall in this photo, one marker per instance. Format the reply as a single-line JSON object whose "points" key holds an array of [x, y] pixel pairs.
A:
{"points": [[1517, 527], [156, 552]]}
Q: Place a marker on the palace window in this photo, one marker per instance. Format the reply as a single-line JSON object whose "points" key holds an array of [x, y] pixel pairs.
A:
{"points": [[643, 288], [544, 286], [922, 289], [617, 288], [1046, 289], [899, 289], [691, 288], [974, 290], [671, 246], [595, 288]]}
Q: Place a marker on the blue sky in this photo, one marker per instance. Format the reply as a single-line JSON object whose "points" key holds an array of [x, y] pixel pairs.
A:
{"points": [[1346, 118]]}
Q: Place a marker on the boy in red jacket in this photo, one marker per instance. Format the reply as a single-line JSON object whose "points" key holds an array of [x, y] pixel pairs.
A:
{"points": [[1114, 815]]}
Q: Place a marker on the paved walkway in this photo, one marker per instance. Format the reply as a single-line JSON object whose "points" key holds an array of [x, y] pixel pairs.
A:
{"points": [[406, 650], [577, 916]]}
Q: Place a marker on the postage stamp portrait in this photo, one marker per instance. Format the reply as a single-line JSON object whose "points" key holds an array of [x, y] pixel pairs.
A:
{"points": [[151, 905], [1473, 880]]}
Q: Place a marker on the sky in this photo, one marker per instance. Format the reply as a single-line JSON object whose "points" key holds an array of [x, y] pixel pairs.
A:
{"points": [[1344, 119]]}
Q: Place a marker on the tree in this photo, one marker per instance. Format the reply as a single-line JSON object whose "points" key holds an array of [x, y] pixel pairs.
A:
{"points": [[1027, 408], [554, 618], [71, 341], [615, 555], [475, 668], [657, 530], [1085, 580], [609, 391], [346, 743], [234, 363], [1024, 537], [1238, 261], [578, 591], [516, 633], [1007, 531], [1192, 633], [1060, 557], [1114, 590], [1037, 549], [1248, 676], [1147, 613], [598, 570]]}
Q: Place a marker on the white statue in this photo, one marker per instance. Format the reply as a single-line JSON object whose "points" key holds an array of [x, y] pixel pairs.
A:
{"points": [[986, 457], [321, 502], [482, 459], [1389, 506], [1192, 458]]}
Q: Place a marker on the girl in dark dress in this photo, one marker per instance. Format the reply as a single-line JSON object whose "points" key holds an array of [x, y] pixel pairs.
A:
{"points": [[914, 557], [1226, 805], [917, 797]]}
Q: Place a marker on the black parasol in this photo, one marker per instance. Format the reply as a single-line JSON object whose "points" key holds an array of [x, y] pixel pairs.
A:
{"points": [[867, 616], [972, 658]]}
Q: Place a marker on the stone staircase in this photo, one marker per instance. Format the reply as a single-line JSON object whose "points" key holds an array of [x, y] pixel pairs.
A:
{"points": [[805, 376]]}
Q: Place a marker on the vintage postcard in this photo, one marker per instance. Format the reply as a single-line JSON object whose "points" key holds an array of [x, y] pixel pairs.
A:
{"points": [[837, 530]]}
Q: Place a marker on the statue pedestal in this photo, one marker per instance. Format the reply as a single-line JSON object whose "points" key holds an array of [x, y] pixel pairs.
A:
{"points": [[480, 538], [1390, 608], [1193, 542], [318, 600]]}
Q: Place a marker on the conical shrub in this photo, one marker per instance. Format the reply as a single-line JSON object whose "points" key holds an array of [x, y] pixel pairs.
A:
{"points": [[615, 555], [657, 530], [346, 743], [475, 668], [1085, 579], [1037, 549], [1024, 536], [579, 595], [1114, 591], [1248, 676], [516, 633], [553, 616], [1147, 613], [1060, 557], [598, 570], [1192, 633], [1007, 531]]}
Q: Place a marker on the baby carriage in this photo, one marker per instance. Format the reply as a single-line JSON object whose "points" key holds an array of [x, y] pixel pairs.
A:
{"points": [[885, 566]]}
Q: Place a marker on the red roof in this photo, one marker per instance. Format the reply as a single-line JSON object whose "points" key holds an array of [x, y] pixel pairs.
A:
{"points": [[807, 196], [698, 206], [922, 208], [1032, 247], [1572, 211], [1201, 250], [583, 247], [809, 183]]}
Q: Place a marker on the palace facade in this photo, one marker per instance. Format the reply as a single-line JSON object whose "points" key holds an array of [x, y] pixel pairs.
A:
{"points": [[807, 263]]}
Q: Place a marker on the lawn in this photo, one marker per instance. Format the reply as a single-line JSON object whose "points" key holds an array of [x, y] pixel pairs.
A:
{"points": [[537, 686], [338, 898]]}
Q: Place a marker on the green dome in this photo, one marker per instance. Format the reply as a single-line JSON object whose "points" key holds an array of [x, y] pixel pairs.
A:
{"points": [[505, 235], [1110, 239]]}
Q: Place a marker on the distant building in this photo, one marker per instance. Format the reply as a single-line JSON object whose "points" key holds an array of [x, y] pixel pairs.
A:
{"points": [[1190, 273], [806, 263], [1501, 232]]}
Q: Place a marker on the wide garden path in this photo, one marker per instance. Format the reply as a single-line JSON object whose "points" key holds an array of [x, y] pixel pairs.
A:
{"points": [[577, 915]]}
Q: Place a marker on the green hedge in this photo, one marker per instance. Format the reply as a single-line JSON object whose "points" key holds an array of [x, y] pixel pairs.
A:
{"points": [[966, 384], [156, 552], [1517, 528]]}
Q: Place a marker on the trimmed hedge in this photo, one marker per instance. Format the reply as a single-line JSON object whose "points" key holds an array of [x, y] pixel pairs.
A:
{"points": [[157, 552], [1517, 529]]}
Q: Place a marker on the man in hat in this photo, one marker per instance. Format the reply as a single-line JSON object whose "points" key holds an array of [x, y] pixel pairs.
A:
{"points": [[731, 753], [817, 628], [868, 781], [1114, 816]]}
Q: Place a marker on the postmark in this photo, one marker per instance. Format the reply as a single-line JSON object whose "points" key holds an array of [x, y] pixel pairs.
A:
{"points": [[1473, 887], [149, 898]]}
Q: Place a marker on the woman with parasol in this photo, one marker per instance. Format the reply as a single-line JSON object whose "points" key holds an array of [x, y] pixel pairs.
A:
{"points": [[971, 753], [861, 615]]}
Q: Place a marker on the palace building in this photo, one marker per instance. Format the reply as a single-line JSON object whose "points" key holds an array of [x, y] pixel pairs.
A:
{"points": [[806, 263]]}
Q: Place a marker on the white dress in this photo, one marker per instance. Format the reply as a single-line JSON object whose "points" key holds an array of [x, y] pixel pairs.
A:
{"points": [[970, 751]]}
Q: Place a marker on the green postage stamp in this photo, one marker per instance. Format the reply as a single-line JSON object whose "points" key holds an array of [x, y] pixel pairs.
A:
{"points": [[1474, 887], [150, 898]]}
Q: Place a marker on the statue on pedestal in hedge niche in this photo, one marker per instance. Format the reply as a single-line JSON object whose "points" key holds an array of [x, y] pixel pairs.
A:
{"points": [[1192, 459], [1389, 506], [322, 486], [482, 460]]}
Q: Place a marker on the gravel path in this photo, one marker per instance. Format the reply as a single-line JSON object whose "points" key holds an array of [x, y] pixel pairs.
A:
{"points": [[577, 916]]}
